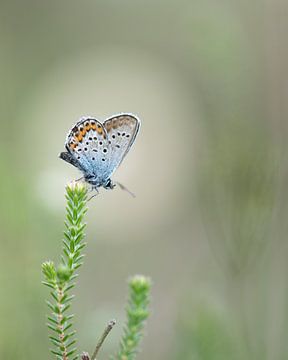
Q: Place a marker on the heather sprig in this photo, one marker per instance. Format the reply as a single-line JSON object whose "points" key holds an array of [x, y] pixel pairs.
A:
{"points": [[62, 279], [137, 313]]}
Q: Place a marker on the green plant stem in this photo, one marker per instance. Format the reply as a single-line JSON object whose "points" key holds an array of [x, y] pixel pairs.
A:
{"points": [[60, 324]]}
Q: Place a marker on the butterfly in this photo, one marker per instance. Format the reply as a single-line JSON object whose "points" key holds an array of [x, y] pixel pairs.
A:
{"points": [[98, 149]]}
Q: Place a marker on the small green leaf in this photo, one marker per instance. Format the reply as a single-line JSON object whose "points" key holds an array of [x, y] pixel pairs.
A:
{"points": [[69, 287], [56, 352], [66, 307], [54, 295], [57, 341], [67, 327], [71, 343], [69, 218], [71, 352], [53, 328], [54, 321], [66, 318], [67, 336], [50, 305], [78, 265], [48, 284]]}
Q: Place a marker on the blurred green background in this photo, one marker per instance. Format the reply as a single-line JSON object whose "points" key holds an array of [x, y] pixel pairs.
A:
{"points": [[208, 79]]}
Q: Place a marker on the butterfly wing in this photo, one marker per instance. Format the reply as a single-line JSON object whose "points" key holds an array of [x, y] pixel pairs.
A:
{"points": [[98, 149], [121, 130], [87, 145]]}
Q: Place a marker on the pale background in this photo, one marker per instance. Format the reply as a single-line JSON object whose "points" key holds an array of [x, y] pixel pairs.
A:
{"points": [[208, 79]]}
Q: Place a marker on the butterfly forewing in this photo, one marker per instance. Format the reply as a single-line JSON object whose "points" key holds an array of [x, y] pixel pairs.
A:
{"points": [[87, 142], [121, 130]]}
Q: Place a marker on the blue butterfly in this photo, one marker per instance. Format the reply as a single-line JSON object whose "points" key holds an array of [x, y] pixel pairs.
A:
{"points": [[98, 149]]}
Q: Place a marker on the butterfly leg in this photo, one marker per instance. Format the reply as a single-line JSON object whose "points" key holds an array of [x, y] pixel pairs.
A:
{"points": [[97, 192], [79, 179]]}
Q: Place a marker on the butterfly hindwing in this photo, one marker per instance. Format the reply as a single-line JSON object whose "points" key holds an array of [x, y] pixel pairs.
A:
{"points": [[121, 131]]}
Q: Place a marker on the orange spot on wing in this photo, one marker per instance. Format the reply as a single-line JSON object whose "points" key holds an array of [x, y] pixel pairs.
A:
{"points": [[78, 138]]}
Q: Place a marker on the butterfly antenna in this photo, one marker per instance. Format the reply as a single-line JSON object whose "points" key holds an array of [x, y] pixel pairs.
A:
{"points": [[122, 187]]}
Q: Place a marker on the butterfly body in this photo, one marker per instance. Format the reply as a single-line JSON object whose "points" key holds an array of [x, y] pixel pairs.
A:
{"points": [[98, 149]]}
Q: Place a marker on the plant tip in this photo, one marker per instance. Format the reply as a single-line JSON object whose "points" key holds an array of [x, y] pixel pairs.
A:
{"points": [[85, 356], [140, 282], [76, 186], [63, 272]]}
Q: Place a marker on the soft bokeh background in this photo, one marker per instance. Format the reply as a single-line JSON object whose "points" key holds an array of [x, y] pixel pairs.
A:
{"points": [[209, 81]]}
